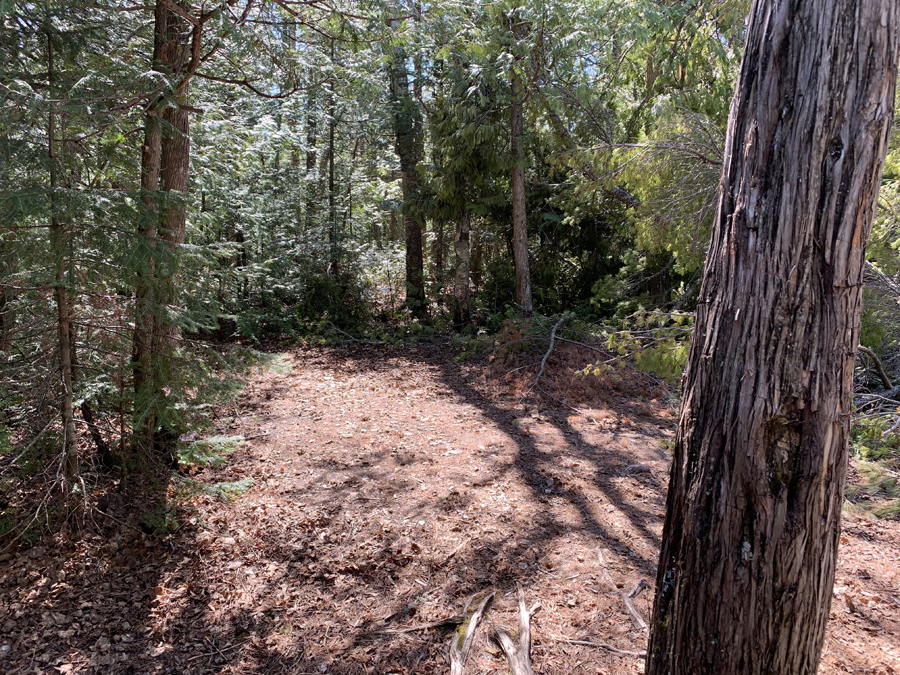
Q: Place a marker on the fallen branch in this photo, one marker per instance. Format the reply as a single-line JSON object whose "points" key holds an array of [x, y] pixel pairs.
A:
{"points": [[454, 552], [559, 323], [598, 645], [357, 340], [627, 598], [475, 609], [893, 428], [28, 447], [114, 519], [537, 379], [519, 655], [562, 403], [605, 352], [879, 366], [220, 651], [449, 622]]}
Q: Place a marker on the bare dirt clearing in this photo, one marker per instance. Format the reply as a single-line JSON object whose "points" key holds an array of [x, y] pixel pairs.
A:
{"points": [[389, 486]]}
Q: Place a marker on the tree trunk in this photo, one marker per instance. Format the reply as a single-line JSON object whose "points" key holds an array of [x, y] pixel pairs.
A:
{"points": [[332, 203], [59, 234], [752, 526], [406, 125], [174, 179], [520, 221], [104, 454], [312, 179], [8, 267], [462, 312], [165, 162], [146, 306], [437, 253]]}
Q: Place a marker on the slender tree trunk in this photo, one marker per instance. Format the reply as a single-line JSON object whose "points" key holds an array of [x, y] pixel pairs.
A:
{"points": [[753, 520], [347, 218], [407, 124], [87, 410], [332, 195], [312, 179], [395, 227], [147, 307], [8, 267], [146, 304], [462, 312], [520, 220], [437, 252], [59, 234]]}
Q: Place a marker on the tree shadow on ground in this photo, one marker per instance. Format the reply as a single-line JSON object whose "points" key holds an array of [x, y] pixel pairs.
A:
{"points": [[307, 577]]}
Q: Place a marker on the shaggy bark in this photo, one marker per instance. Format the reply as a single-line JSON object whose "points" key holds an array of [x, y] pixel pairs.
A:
{"points": [[753, 520]]}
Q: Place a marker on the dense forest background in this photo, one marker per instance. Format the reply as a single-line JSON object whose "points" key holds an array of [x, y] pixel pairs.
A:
{"points": [[181, 182]]}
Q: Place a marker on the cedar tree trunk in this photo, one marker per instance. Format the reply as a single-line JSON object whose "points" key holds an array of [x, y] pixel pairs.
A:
{"points": [[520, 220], [753, 520]]}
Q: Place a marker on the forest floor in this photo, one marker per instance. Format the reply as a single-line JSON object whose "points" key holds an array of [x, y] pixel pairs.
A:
{"points": [[389, 485]]}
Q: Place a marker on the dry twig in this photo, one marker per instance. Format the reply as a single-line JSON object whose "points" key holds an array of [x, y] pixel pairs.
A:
{"points": [[450, 621], [598, 645], [537, 379], [627, 598]]}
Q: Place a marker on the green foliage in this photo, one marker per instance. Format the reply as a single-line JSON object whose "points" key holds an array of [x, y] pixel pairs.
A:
{"points": [[294, 213], [654, 342], [874, 329], [875, 444], [229, 491], [161, 520], [5, 443], [872, 440], [226, 491], [211, 452]]}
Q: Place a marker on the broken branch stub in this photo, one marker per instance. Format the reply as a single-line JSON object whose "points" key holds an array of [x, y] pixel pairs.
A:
{"points": [[475, 609], [518, 655]]}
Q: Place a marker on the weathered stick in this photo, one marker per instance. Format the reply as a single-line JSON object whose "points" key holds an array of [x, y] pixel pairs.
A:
{"points": [[465, 634], [598, 645], [518, 655], [627, 598], [636, 617], [455, 620], [559, 323], [879, 366], [537, 379]]}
